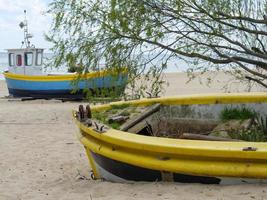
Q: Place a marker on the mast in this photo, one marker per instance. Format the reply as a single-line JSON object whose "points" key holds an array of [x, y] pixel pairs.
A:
{"points": [[24, 25]]}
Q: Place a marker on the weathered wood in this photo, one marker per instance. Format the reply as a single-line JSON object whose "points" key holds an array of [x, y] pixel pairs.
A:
{"points": [[192, 136], [177, 126], [234, 124], [138, 127], [143, 125], [118, 119], [81, 112], [88, 112], [132, 122]]}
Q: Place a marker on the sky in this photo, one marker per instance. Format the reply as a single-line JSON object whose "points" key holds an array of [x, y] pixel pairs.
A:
{"points": [[12, 13]]}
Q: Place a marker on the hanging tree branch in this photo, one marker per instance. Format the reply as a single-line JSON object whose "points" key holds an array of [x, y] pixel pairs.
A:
{"points": [[227, 33]]}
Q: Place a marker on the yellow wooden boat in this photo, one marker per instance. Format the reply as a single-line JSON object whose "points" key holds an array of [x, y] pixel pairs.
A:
{"points": [[121, 156]]}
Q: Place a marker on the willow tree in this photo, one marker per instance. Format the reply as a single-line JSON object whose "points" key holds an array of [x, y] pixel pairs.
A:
{"points": [[145, 35]]}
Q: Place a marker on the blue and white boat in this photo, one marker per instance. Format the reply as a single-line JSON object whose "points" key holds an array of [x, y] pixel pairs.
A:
{"points": [[26, 78]]}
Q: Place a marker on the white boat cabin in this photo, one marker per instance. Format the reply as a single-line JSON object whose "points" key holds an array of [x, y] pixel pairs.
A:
{"points": [[27, 61]]}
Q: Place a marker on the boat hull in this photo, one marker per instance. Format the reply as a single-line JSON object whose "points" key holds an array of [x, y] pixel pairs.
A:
{"points": [[121, 156], [46, 94], [116, 171], [63, 86], [120, 172]]}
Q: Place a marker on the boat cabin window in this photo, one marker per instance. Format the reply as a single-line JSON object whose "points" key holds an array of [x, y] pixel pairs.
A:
{"points": [[19, 60], [11, 59], [39, 58], [28, 58]]}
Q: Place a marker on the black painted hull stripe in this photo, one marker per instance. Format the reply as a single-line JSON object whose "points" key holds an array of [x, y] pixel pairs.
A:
{"points": [[135, 173], [109, 176], [45, 93], [48, 93]]}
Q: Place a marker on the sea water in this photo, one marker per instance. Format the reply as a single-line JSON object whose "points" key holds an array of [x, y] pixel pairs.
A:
{"points": [[3, 63]]}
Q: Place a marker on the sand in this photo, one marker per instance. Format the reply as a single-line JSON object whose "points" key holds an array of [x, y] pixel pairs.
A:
{"points": [[41, 158]]}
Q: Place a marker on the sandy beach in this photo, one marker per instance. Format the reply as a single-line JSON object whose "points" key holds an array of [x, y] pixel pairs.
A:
{"points": [[41, 158]]}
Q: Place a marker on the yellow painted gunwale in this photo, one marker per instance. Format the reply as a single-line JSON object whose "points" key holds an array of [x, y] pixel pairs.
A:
{"points": [[215, 98], [185, 156], [63, 77], [60, 77]]}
